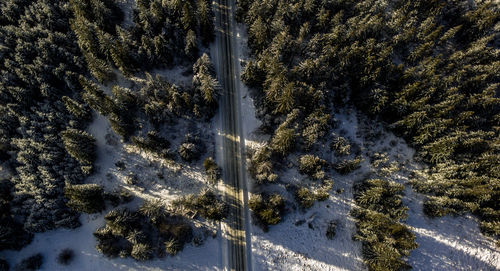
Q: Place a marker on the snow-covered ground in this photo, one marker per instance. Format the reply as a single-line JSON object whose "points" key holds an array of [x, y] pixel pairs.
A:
{"points": [[144, 175], [288, 246], [155, 178], [445, 243], [299, 241], [448, 243], [81, 240], [127, 7]]}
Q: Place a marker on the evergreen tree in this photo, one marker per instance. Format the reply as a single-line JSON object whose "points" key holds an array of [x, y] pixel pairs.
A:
{"points": [[78, 110], [86, 198], [205, 15], [80, 145], [96, 98]]}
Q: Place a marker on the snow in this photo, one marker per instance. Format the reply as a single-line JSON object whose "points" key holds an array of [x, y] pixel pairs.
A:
{"points": [[82, 242], [287, 246], [178, 179], [299, 242], [5, 172], [450, 243], [296, 243], [127, 6], [447, 243], [249, 119]]}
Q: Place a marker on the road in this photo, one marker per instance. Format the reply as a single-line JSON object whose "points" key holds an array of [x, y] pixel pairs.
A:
{"points": [[236, 245]]}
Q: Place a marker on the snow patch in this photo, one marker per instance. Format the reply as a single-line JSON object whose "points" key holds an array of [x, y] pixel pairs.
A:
{"points": [[82, 242]]}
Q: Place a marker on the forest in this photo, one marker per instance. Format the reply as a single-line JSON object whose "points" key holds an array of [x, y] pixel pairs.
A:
{"points": [[61, 65], [427, 69]]}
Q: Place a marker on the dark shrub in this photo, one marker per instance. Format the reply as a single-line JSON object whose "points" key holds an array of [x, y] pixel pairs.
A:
{"points": [[207, 204], [312, 166], [440, 206], [172, 246], [192, 148], [136, 237], [261, 166], [120, 165], [153, 142], [340, 145], [4, 265], [31, 263], [188, 151], [107, 243], [212, 169], [65, 256], [331, 230], [154, 210], [378, 219], [267, 210], [179, 231], [348, 166], [122, 221], [305, 197], [80, 145]]}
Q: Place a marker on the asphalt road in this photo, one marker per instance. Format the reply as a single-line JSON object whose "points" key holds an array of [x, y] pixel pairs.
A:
{"points": [[236, 252]]}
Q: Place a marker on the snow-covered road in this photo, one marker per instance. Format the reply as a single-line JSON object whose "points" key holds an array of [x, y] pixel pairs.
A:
{"points": [[230, 144]]}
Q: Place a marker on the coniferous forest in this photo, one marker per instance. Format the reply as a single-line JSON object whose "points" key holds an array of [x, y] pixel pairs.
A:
{"points": [[428, 71], [58, 61]]}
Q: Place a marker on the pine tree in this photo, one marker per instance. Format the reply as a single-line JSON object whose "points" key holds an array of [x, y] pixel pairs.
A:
{"points": [[125, 99], [191, 48], [96, 98], [283, 140], [78, 110], [172, 246], [88, 42], [154, 210], [205, 15], [141, 252], [204, 80], [80, 145], [122, 58], [122, 125], [257, 34], [187, 18], [86, 198]]}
